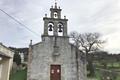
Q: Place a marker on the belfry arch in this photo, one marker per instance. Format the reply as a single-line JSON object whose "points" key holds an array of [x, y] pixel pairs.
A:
{"points": [[50, 28]]}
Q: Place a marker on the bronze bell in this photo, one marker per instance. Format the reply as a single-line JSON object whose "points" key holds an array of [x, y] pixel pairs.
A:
{"points": [[50, 27], [60, 28]]}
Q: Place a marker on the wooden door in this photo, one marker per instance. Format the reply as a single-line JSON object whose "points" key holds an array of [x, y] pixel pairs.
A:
{"points": [[55, 72]]}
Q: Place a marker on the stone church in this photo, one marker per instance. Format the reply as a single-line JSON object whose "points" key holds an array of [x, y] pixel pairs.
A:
{"points": [[55, 58]]}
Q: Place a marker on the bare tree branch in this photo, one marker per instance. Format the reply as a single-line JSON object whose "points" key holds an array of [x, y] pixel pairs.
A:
{"points": [[87, 42]]}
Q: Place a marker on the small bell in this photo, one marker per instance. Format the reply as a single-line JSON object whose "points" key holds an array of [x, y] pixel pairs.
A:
{"points": [[50, 27], [60, 28]]}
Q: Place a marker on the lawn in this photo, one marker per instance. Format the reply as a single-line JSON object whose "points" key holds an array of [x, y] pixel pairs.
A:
{"points": [[22, 74], [97, 73], [115, 67], [19, 75]]}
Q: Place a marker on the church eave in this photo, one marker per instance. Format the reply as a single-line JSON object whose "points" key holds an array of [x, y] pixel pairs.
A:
{"points": [[55, 9], [37, 43], [55, 36], [54, 19]]}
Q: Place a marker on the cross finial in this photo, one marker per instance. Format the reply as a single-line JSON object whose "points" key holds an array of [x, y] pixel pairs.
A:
{"points": [[30, 42], [55, 3]]}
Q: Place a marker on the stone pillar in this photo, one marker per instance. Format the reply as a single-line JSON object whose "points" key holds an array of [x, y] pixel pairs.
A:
{"points": [[45, 27], [55, 29], [65, 28], [29, 61]]}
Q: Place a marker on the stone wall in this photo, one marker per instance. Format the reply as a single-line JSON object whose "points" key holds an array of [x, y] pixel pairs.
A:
{"points": [[5, 62], [42, 58], [6, 50]]}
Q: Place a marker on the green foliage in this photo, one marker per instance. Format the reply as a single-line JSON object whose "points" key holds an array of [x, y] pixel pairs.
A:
{"points": [[114, 71], [17, 59]]}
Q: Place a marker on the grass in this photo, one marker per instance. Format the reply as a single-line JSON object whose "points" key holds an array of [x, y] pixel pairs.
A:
{"points": [[97, 76], [19, 75], [118, 78], [115, 66], [22, 74]]}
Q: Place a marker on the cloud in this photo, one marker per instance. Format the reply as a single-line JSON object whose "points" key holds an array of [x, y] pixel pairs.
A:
{"points": [[84, 16]]}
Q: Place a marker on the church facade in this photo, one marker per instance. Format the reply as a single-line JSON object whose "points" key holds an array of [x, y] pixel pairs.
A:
{"points": [[55, 58]]}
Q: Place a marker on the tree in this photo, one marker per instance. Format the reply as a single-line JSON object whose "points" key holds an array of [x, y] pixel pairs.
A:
{"points": [[87, 43], [102, 57], [17, 58]]}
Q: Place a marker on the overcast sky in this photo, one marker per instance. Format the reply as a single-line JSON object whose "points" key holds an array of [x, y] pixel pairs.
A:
{"points": [[101, 16]]}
